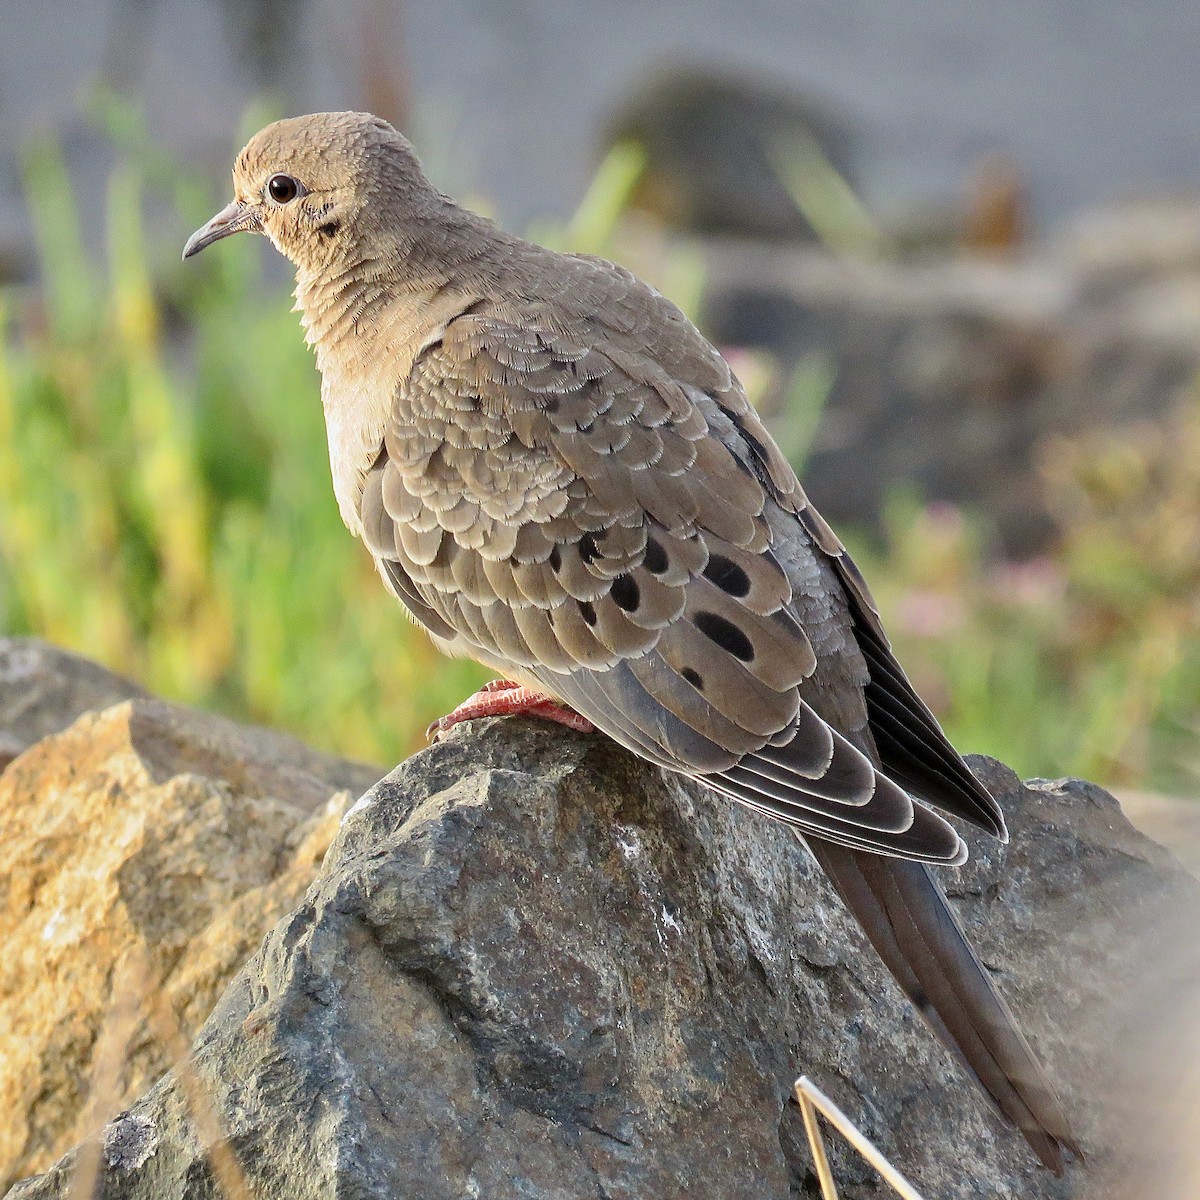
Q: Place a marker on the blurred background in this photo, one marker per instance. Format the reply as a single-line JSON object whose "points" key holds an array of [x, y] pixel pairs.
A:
{"points": [[953, 250]]}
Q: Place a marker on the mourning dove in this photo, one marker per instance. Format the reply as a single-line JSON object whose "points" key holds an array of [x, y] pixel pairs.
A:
{"points": [[560, 477]]}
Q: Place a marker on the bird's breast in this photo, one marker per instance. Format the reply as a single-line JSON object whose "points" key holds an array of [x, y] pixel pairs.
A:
{"points": [[367, 334], [355, 420]]}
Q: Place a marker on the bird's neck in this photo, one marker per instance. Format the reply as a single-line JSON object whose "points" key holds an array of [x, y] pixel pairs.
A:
{"points": [[352, 311], [368, 319], [372, 305]]}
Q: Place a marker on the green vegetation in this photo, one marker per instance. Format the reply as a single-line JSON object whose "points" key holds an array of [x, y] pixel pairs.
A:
{"points": [[165, 507]]}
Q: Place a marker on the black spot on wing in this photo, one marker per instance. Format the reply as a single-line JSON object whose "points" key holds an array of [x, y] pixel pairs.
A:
{"points": [[725, 634], [655, 560], [727, 575], [625, 593]]}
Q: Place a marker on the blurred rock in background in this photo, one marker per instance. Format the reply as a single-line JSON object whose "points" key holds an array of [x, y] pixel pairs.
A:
{"points": [[725, 152], [947, 377]]}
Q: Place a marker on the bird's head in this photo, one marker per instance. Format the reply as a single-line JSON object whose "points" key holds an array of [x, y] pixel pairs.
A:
{"points": [[316, 184]]}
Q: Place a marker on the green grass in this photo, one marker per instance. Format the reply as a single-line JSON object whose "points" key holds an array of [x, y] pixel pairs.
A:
{"points": [[165, 507]]}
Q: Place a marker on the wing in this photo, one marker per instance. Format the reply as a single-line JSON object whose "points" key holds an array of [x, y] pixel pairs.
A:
{"points": [[911, 746], [608, 519]]}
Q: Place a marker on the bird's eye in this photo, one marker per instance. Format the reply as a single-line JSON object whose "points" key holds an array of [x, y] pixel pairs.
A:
{"points": [[282, 188]]}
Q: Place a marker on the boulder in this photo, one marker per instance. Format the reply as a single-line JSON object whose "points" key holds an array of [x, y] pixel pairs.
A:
{"points": [[723, 150], [144, 852], [533, 966]]}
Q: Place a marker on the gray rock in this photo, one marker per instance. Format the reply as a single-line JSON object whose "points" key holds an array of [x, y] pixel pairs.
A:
{"points": [[534, 967], [44, 689]]}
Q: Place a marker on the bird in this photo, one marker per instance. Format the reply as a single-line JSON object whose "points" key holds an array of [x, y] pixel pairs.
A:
{"points": [[559, 476]]}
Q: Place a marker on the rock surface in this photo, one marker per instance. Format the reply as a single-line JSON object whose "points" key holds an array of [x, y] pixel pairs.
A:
{"points": [[144, 852], [533, 967]]}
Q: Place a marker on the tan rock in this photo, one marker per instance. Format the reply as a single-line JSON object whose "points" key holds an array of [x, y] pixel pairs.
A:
{"points": [[150, 848]]}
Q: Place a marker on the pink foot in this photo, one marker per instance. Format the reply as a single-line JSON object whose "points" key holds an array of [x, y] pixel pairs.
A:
{"points": [[503, 698]]}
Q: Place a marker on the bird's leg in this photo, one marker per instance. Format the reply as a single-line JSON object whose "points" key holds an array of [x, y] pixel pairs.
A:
{"points": [[504, 698]]}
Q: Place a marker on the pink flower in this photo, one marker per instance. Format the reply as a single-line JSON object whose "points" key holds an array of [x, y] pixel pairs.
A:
{"points": [[926, 613], [1038, 582]]}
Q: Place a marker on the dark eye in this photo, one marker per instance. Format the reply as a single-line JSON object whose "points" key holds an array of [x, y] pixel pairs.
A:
{"points": [[282, 188]]}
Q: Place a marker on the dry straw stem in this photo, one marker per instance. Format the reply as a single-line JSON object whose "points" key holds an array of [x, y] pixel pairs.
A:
{"points": [[231, 1180], [134, 999], [131, 983], [812, 1100]]}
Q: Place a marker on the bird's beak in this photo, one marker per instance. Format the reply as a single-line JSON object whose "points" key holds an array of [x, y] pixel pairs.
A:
{"points": [[233, 218]]}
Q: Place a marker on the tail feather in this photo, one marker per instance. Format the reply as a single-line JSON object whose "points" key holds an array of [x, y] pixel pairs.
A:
{"points": [[907, 919]]}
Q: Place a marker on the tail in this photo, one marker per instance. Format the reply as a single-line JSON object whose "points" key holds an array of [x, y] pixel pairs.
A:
{"points": [[907, 919]]}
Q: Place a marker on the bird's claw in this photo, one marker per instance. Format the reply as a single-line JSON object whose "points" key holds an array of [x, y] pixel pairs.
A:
{"points": [[503, 698]]}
